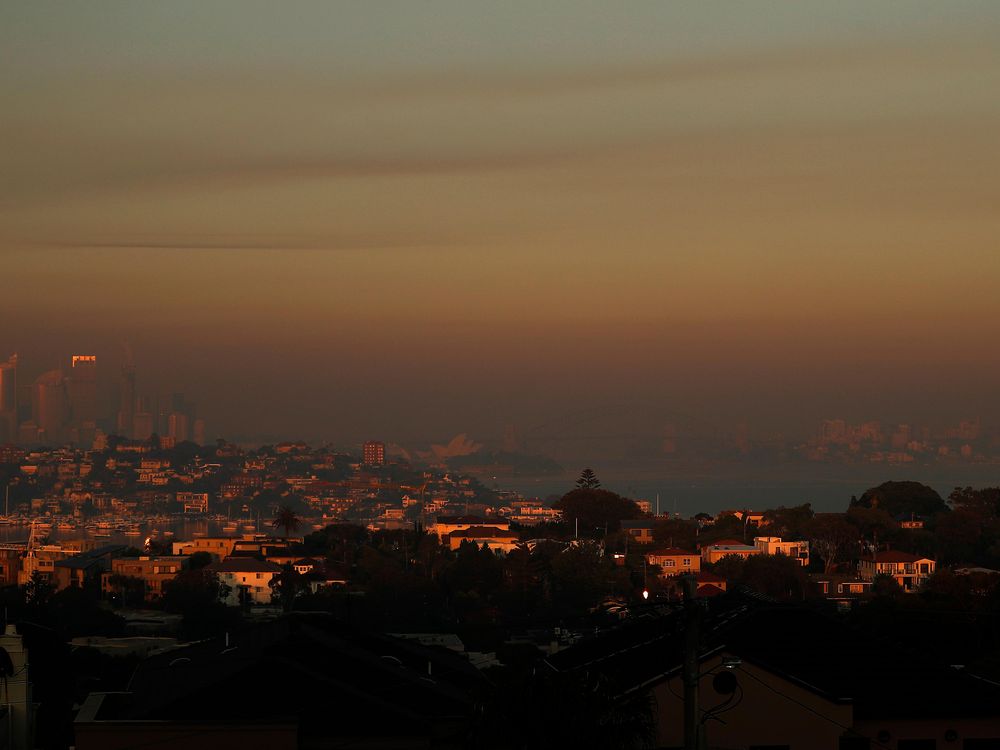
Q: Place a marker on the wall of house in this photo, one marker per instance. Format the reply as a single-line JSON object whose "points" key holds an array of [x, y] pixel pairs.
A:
{"points": [[777, 712], [930, 729], [112, 735]]}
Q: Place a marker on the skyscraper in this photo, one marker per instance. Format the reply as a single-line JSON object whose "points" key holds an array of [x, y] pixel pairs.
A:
{"points": [[8, 400], [83, 398], [374, 453], [50, 406], [126, 401]]}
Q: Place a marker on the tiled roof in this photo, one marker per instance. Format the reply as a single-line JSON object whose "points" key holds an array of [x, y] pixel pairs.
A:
{"points": [[672, 552], [484, 532], [243, 565], [896, 556]]}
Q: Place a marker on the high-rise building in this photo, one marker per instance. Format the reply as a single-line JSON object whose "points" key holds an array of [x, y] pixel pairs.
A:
{"points": [[126, 400], [50, 407], [83, 398], [177, 427], [143, 420], [198, 432], [374, 453], [8, 400]]}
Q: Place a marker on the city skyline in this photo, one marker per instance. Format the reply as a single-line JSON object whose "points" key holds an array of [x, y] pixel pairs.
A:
{"points": [[356, 221]]}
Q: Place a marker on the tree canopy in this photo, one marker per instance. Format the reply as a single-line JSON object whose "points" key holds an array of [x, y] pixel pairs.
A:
{"points": [[594, 508], [902, 497]]}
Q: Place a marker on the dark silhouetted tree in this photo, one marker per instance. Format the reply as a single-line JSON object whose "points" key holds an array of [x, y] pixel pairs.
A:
{"points": [[588, 480], [286, 518], [902, 497], [596, 509], [833, 538]]}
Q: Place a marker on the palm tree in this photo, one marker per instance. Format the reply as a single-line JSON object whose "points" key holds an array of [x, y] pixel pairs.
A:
{"points": [[285, 517]]}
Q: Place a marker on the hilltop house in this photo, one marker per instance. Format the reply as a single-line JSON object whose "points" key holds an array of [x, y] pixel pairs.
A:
{"points": [[909, 571]]}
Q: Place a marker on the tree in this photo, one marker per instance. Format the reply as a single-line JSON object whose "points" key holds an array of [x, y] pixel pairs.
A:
{"points": [[131, 590], [594, 508], [984, 503], [872, 523], [676, 532], [788, 523], [831, 537], [286, 586], [777, 576], [588, 480], [38, 591], [285, 517], [902, 497]]}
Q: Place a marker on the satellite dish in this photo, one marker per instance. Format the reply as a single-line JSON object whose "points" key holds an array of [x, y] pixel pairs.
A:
{"points": [[6, 664], [725, 683]]}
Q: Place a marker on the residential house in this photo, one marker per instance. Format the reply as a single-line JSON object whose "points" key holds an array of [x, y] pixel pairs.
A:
{"points": [[152, 571], [773, 545], [219, 547], [712, 553], [909, 571], [499, 540], [247, 578], [640, 531], [444, 526], [11, 554], [798, 680], [193, 502], [674, 561], [301, 681], [86, 568], [754, 518]]}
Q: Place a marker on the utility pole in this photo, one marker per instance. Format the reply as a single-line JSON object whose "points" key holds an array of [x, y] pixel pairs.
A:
{"points": [[694, 736]]}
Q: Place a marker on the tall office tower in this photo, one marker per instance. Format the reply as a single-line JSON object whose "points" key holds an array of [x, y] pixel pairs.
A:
{"points": [[126, 400], [177, 427], [143, 420], [198, 433], [8, 400], [83, 388], [374, 453], [83, 398], [50, 406]]}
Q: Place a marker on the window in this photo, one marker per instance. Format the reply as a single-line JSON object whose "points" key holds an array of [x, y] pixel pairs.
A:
{"points": [[981, 743], [669, 563], [687, 562], [916, 745]]}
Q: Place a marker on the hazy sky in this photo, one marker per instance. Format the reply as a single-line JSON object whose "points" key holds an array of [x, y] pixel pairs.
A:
{"points": [[411, 219]]}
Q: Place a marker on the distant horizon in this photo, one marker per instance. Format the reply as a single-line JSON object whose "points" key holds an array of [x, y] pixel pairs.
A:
{"points": [[355, 221]]}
